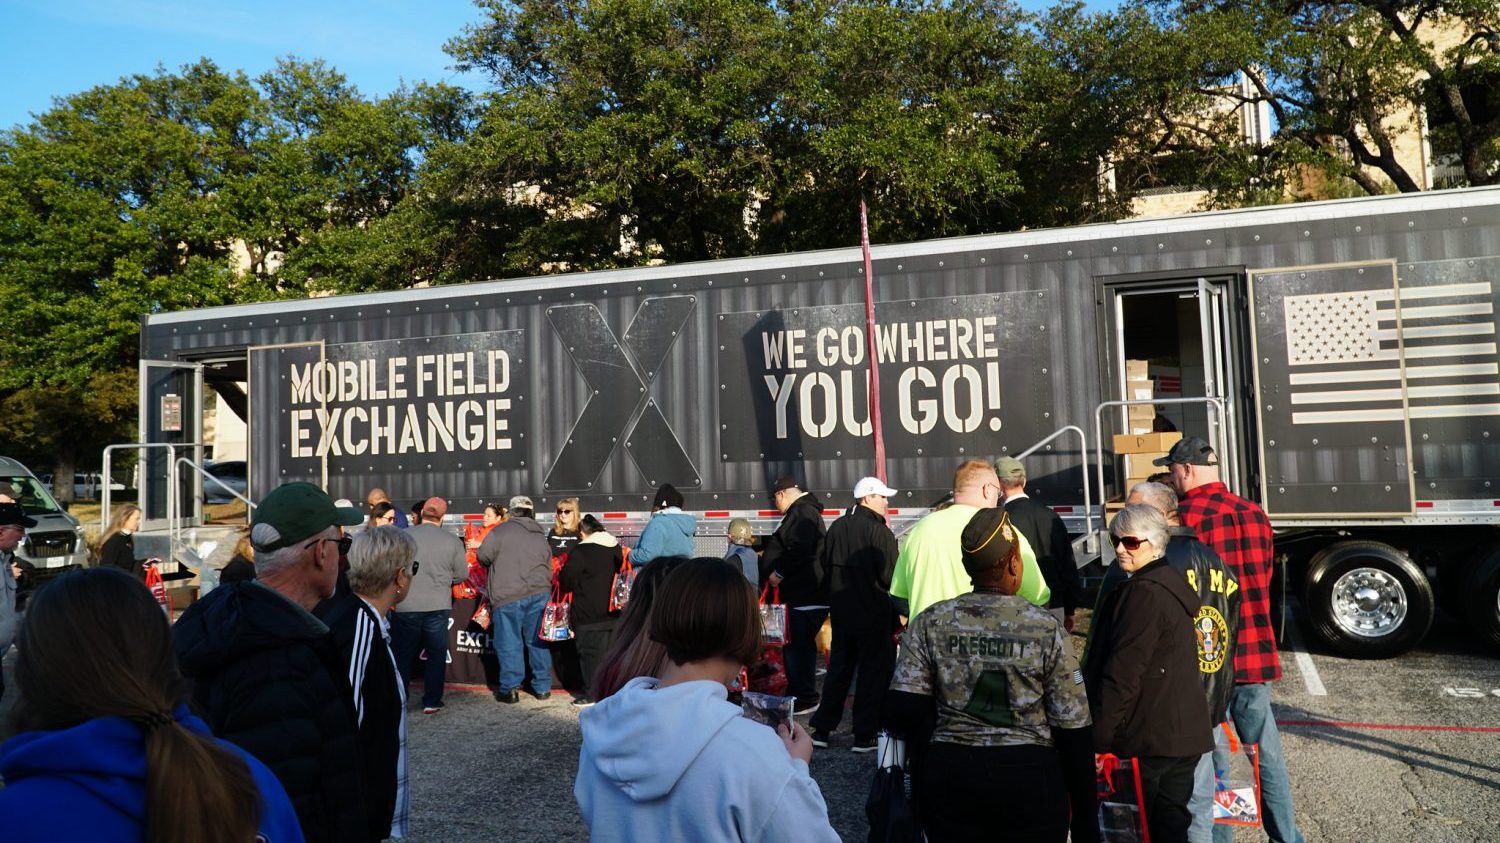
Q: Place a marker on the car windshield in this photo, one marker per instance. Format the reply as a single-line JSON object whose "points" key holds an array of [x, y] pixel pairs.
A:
{"points": [[34, 497]]}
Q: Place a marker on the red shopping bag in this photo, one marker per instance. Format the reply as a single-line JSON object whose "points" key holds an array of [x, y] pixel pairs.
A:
{"points": [[556, 625], [773, 616], [1237, 784], [1122, 801], [158, 587], [768, 676], [619, 592], [482, 615]]}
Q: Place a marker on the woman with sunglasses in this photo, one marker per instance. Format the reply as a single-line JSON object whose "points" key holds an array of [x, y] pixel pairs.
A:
{"points": [[1141, 672]]}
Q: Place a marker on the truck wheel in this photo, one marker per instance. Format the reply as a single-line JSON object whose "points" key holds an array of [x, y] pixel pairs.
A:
{"points": [[1367, 600], [1482, 599]]}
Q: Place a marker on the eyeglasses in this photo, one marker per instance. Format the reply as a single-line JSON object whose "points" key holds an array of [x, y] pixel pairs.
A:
{"points": [[416, 565], [315, 543], [565, 511], [388, 518], [1130, 542]]}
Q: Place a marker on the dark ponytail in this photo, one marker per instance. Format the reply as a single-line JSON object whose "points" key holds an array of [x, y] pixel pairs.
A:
{"points": [[95, 644]]}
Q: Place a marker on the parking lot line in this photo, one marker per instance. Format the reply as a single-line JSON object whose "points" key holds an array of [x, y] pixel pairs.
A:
{"points": [[1305, 665], [1398, 727]]}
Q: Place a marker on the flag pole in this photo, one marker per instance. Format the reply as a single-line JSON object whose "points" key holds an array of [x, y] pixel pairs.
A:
{"points": [[870, 347]]}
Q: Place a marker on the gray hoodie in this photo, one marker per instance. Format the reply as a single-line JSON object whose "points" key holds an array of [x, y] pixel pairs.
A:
{"points": [[519, 559], [682, 763]]}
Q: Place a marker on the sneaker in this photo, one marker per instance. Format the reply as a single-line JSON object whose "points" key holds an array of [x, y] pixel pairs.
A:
{"points": [[582, 702], [432, 709], [864, 745], [510, 697], [805, 705], [820, 738]]}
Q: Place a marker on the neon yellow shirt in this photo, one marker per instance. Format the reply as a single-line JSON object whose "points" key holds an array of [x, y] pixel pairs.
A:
{"points": [[930, 568]]}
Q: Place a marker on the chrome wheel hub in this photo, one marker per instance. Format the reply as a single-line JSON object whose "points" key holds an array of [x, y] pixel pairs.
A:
{"points": [[1369, 602]]}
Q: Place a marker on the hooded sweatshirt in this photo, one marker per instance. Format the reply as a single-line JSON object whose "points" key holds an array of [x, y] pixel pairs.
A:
{"points": [[519, 559], [589, 575], [89, 783], [668, 533], [682, 763]]}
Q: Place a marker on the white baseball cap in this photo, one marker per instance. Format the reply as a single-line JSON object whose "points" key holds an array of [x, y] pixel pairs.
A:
{"points": [[870, 486]]}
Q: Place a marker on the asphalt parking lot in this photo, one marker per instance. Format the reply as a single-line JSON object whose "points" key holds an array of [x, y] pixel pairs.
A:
{"points": [[1396, 750]]}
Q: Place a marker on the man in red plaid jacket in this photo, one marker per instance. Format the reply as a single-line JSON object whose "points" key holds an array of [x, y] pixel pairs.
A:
{"points": [[1240, 533]]}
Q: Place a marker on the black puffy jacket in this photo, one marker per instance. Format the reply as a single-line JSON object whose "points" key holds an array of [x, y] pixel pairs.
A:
{"points": [[1141, 670], [793, 551], [859, 554], [589, 574], [267, 677]]}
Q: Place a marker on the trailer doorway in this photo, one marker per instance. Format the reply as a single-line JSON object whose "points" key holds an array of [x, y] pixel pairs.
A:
{"points": [[1172, 339]]}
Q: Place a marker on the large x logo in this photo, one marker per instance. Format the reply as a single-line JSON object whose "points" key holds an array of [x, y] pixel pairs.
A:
{"points": [[620, 375]]}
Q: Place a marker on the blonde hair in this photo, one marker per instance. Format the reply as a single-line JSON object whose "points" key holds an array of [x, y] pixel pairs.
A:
{"points": [[971, 473], [117, 523]]}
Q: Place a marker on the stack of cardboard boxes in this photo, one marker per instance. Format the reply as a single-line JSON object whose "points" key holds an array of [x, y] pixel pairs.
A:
{"points": [[1137, 450], [1140, 418]]}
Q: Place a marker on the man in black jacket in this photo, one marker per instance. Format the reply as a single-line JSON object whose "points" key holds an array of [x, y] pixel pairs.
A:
{"points": [[859, 554], [790, 563], [1048, 538], [268, 677]]}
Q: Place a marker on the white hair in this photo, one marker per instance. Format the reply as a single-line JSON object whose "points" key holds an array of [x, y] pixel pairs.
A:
{"points": [[267, 561], [375, 557], [1159, 495], [1144, 521]]}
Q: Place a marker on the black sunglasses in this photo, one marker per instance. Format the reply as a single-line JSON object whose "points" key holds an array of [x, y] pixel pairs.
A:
{"points": [[1130, 542]]}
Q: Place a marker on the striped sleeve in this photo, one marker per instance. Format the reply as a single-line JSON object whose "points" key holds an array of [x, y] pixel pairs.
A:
{"points": [[366, 632]]}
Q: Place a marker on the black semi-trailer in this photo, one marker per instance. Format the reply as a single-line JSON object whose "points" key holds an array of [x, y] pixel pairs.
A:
{"points": [[1342, 355]]}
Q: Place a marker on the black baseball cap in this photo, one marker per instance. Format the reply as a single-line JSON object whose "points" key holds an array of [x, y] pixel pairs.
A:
{"points": [[12, 515], [987, 540], [1190, 451]]}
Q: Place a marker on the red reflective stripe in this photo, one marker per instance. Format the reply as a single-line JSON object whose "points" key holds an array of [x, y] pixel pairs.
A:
{"points": [[765, 512], [1424, 504], [616, 515], [716, 513], [1062, 509], [479, 517], [894, 511], [833, 512], [1497, 503]]}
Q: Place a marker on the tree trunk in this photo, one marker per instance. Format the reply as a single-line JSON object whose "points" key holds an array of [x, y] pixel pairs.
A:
{"points": [[62, 475]]}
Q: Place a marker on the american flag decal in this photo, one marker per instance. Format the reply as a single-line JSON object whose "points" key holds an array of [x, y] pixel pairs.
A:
{"points": [[1345, 352]]}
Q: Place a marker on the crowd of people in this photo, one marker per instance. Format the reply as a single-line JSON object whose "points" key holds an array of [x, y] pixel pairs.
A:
{"points": [[284, 689]]}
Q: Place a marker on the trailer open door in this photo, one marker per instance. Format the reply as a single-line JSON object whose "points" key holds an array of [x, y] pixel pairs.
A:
{"points": [[1331, 395], [170, 413]]}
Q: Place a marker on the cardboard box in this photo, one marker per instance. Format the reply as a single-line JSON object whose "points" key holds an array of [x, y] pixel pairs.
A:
{"points": [[1136, 370], [1139, 426], [1139, 465], [1130, 484], [1141, 411], [1139, 390], [1145, 443]]}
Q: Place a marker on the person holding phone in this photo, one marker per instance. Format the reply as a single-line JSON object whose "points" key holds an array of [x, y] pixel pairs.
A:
{"points": [[670, 758]]}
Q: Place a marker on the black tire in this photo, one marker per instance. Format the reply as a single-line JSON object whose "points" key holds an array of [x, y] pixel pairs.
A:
{"points": [[1367, 600], [1482, 599]]}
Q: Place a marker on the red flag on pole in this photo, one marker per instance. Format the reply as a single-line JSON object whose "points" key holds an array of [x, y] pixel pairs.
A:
{"points": [[870, 347]]}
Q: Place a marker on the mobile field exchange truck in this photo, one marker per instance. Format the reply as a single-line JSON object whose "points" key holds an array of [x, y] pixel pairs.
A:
{"points": [[1340, 355]]}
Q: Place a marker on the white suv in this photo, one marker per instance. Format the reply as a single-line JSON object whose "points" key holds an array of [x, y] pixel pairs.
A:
{"points": [[56, 543]]}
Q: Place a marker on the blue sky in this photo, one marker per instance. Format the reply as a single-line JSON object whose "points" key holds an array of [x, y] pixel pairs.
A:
{"points": [[51, 48]]}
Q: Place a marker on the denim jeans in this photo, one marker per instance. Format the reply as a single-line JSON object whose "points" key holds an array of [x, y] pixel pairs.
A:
{"points": [[1201, 804], [414, 631], [1250, 709], [515, 625]]}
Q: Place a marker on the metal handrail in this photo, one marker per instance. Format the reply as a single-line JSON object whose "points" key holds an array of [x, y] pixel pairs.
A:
{"points": [[1220, 447], [1083, 458], [1083, 465], [174, 531], [140, 476]]}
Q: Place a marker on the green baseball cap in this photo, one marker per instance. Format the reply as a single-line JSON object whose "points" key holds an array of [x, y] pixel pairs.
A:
{"points": [[297, 511]]}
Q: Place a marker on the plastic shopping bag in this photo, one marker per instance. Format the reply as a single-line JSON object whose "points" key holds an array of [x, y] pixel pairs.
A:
{"points": [[1236, 780], [773, 616], [619, 592], [1122, 813], [555, 617], [158, 587], [482, 615], [768, 676]]}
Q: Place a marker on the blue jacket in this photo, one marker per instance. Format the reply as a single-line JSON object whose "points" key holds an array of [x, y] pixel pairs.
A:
{"points": [[89, 783], [668, 533]]}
